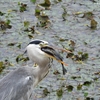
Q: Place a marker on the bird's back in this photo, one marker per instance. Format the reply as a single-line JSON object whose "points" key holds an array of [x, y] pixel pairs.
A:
{"points": [[16, 85]]}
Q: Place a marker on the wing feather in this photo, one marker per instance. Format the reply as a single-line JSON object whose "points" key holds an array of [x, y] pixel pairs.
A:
{"points": [[15, 85]]}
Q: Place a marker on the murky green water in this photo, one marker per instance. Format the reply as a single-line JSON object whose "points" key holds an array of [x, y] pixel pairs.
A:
{"points": [[85, 75]]}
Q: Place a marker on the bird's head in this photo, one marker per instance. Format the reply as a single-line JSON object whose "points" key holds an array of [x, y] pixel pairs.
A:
{"points": [[38, 43]]}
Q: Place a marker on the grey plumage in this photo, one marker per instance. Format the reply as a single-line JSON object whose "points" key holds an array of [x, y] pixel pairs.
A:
{"points": [[16, 84], [19, 84]]}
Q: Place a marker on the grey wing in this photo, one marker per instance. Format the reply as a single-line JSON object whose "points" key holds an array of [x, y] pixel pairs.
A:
{"points": [[16, 86]]}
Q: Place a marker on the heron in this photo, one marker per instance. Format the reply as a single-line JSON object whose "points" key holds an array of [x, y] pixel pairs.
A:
{"points": [[19, 83], [45, 51]]}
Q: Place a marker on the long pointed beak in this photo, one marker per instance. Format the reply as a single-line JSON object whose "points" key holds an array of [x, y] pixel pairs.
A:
{"points": [[50, 52]]}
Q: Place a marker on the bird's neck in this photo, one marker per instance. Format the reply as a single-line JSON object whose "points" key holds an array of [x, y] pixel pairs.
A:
{"points": [[41, 72]]}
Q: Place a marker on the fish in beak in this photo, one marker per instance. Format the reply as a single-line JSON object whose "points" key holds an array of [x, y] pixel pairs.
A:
{"points": [[50, 52]]}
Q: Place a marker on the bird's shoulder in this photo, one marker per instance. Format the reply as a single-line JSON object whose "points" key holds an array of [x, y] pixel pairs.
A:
{"points": [[16, 82]]}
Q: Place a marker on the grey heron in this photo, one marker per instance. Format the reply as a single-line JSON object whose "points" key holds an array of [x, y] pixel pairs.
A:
{"points": [[19, 84], [42, 52]]}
